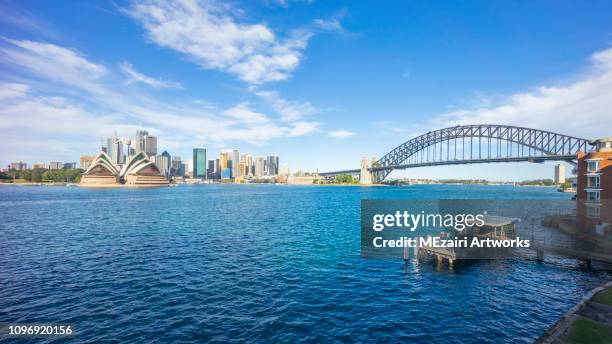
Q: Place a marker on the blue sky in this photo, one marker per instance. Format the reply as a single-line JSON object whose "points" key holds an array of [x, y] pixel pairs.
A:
{"points": [[320, 83]]}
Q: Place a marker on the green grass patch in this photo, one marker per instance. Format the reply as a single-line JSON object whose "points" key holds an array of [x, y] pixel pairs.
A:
{"points": [[604, 296], [587, 331]]}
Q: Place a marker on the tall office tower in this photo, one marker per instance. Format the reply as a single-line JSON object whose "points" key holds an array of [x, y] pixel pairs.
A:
{"points": [[559, 174], [189, 169], [230, 167], [272, 165], [167, 161], [162, 162], [217, 169], [259, 166], [223, 160], [248, 164], [150, 145], [210, 172], [115, 149], [199, 163], [176, 165], [240, 170], [139, 145], [234, 156]]}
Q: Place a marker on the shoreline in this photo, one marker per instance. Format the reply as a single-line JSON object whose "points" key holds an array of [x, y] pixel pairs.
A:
{"points": [[566, 325]]}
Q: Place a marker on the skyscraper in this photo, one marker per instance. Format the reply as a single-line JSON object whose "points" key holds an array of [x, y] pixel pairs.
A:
{"points": [[162, 162], [150, 144], [248, 164], [234, 156], [114, 148], [259, 166], [176, 166], [139, 145], [210, 173], [222, 161], [199, 163], [272, 165]]}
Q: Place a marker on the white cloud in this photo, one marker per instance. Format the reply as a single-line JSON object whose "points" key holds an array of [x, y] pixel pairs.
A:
{"points": [[71, 99], [13, 90], [581, 108], [288, 110], [303, 128], [135, 76], [207, 33], [340, 134], [244, 113]]}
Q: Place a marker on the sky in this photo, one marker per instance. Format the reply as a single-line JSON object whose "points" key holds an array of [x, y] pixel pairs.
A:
{"points": [[319, 83]]}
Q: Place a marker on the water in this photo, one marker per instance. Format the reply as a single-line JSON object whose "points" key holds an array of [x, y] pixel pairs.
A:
{"points": [[258, 263]]}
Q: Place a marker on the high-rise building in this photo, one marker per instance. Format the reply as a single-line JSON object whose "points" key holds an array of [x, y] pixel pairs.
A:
{"points": [[39, 165], [56, 165], [114, 148], [259, 166], [210, 172], [176, 166], [272, 165], [559, 174], [150, 143], [162, 162], [230, 167], [69, 165], [217, 169], [85, 161], [139, 145], [199, 163], [167, 161], [18, 166], [248, 164], [240, 170], [223, 160], [234, 156]]}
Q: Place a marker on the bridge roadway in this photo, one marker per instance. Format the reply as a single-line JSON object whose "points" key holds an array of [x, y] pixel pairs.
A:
{"points": [[535, 159]]}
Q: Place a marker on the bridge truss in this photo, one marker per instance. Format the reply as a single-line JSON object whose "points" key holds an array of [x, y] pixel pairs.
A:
{"points": [[470, 144]]}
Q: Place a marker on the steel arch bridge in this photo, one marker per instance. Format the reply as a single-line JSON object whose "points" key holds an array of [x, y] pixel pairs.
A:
{"points": [[471, 144]]}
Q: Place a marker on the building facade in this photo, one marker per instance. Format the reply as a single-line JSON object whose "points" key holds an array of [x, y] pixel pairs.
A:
{"points": [[559, 174], [85, 161], [18, 166], [594, 187], [199, 163]]}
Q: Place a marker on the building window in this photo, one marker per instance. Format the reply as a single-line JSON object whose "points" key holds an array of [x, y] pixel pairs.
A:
{"points": [[593, 196], [593, 166], [593, 182], [593, 212]]}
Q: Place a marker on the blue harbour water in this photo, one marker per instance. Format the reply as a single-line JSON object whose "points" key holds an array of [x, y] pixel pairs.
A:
{"points": [[258, 263]]}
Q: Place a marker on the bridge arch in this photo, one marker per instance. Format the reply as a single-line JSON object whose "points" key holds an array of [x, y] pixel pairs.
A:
{"points": [[548, 144]]}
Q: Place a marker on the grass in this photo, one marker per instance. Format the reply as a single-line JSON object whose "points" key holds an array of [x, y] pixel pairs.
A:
{"points": [[587, 331], [604, 296]]}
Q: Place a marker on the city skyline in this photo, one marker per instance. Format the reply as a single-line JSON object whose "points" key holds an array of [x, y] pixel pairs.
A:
{"points": [[320, 84]]}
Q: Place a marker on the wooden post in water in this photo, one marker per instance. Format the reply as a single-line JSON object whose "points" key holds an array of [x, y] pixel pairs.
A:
{"points": [[406, 252]]}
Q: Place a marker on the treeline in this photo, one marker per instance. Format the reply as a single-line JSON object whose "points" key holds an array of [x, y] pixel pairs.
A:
{"points": [[39, 175], [540, 182], [340, 179]]}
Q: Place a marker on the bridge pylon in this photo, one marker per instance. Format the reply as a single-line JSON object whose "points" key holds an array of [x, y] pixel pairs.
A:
{"points": [[367, 177]]}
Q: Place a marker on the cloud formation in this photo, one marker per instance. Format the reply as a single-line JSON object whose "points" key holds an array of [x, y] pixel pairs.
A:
{"points": [[340, 134], [63, 96], [137, 77], [580, 108], [210, 36]]}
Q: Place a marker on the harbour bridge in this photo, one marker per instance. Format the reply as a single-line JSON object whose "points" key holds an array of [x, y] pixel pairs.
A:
{"points": [[471, 144]]}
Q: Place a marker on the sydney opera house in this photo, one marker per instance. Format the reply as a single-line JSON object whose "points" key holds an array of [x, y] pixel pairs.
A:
{"points": [[138, 172]]}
